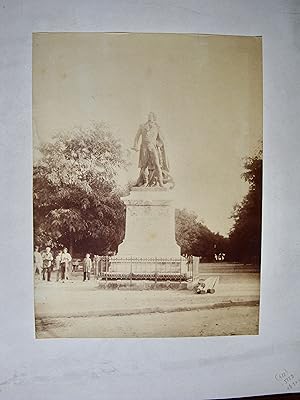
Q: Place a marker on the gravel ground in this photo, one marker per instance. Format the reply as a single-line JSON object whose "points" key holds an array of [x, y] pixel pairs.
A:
{"points": [[80, 309], [240, 320]]}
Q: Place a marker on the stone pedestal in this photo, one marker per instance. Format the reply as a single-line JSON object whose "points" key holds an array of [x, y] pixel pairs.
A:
{"points": [[149, 245], [150, 224]]}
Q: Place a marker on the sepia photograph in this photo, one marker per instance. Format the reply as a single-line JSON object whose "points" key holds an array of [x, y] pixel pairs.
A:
{"points": [[147, 184]]}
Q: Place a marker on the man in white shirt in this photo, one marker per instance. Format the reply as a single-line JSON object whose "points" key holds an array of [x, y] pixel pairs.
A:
{"points": [[57, 266], [65, 264], [47, 260]]}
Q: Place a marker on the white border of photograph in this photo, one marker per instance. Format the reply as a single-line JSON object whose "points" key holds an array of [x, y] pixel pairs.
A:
{"points": [[198, 368]]}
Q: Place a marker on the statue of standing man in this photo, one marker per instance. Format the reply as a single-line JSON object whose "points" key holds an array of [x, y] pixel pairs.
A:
{"points": [[153, 162]]}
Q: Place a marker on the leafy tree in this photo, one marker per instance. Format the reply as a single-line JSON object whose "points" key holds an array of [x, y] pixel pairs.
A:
{"points": [[75, 196], [245, 236], [195, 238]]}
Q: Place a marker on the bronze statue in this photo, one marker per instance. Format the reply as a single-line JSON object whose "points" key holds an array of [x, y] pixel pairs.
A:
{"points": [[153, 162]]}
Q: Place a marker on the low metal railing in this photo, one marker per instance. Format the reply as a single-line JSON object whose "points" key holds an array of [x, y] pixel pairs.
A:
{"points": [[146, 268]]}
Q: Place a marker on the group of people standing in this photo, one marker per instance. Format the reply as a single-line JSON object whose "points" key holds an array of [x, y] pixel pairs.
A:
{"points": [[61, 265], [44, 263]]}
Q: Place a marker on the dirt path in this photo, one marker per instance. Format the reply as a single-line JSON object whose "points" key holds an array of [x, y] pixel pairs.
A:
{"points": [[81, 309], [216, 322], [86, 300]]}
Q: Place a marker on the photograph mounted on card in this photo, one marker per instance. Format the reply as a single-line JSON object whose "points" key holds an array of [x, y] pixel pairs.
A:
{"points": [[147, 184]]}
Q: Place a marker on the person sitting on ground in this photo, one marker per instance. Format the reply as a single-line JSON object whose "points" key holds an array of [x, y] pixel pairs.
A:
{"points": [[87, 266], [207, 285]]}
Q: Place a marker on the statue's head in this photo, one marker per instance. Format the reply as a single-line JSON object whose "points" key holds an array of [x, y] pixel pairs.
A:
{"points": [[152, 117]]}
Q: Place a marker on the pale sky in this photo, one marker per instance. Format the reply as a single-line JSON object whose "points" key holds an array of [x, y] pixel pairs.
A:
{"points": [[205, 90]]}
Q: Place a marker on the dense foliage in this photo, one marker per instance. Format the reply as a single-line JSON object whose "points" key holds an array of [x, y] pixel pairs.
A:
{"points": [[76, 203], [245, 236], [195, 238]]}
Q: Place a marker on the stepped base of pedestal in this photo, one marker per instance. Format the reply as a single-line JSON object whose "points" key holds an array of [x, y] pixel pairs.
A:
{"points": [[143, 284]]}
